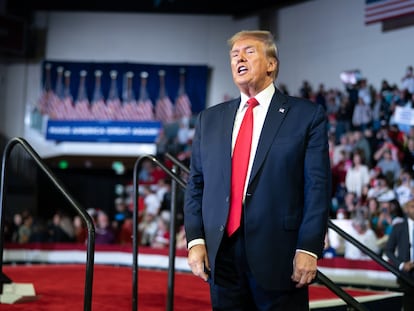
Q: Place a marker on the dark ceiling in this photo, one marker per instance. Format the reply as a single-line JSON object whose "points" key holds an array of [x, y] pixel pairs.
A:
{"points": [[211, 7]]}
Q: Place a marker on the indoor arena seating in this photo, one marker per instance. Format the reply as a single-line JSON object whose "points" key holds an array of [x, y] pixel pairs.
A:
{"points": [[366, 281]]}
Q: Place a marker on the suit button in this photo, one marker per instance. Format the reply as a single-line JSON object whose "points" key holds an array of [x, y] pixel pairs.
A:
{"points": [[227, 199], [222, 228]]}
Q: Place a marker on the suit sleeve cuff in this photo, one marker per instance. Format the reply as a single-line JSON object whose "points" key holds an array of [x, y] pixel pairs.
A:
{"points": [[195, 242], [309, 253]]}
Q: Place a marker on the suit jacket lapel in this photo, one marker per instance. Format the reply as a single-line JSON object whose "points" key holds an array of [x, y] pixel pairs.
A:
{"points": [[277, 112], [227, 120]]}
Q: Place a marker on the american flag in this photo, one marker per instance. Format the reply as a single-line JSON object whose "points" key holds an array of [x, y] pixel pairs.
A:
{"points": [[55, 109], [182, 106], [128, 110], [99, 110], [44, 101], [380, 10], [164, 110], [145, 110], [82, 110], [114, 108], [68, 108]]}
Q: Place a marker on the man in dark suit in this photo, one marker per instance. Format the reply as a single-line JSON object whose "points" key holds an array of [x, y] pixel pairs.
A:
{"points": [[400, 250], [272, 257]]}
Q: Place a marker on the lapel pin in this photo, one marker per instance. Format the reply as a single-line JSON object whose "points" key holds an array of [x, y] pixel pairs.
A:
{"points": [[282, 110]]}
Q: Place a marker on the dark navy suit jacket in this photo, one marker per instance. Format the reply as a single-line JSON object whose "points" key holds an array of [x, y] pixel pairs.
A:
{"points": [[288, 195]]}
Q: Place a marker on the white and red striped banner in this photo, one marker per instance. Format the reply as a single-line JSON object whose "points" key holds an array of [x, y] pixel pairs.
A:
{"points": [[381, 10]]}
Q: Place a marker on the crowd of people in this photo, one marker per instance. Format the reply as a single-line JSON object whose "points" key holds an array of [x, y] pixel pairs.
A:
{"points": [[111, 227], [372, 163], [372, 159]]}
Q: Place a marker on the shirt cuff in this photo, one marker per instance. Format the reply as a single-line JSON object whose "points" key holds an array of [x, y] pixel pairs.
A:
{"points": [[195, 242], [309, 253]]}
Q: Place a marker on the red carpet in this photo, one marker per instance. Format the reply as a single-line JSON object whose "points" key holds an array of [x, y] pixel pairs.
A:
{"points": [[61, 288]]}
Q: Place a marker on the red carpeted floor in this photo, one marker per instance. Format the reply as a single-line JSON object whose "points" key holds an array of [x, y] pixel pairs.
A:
{"points": [[61, 288]]}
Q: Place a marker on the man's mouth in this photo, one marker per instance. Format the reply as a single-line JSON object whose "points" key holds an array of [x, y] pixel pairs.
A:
{"points": [[241, 69]]}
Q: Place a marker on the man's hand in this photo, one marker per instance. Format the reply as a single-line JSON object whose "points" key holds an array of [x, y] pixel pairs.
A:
{"points": [[304, 269], [198, 261], [408, 266]]}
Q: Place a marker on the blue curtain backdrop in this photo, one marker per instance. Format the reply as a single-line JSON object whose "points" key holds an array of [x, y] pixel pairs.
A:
{"points": [[196, 77]]}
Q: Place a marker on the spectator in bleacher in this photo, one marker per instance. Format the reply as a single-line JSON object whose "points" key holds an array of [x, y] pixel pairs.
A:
{"points": [[407, 82], [321, 99], [179, 203], [305, 90], [147, 228], [343, 144], [373, 207], [14, 228], [362, 232], [397, 212], [104, 233], [339, 171], [343, 118], [348, 207], [148, 224], [38, 232], [364, 92], [121, 213], [399, 250], [359, 141], [357, 175], [150, 173], [184, 134], [362, 115], [404, 188], [379, 111], [385, 139], [381, 189], [161, 237], [61, 228], [398, 138], [407, 161], [386, 93], [25, 229], [381, 222], [390, 167], [81, 233]]}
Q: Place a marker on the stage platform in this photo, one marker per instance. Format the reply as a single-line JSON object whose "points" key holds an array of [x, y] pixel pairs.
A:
{"points": [[366, 281]]}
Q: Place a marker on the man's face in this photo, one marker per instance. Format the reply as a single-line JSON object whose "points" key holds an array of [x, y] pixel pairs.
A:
{"points": [[250, 66], [409, 209]]}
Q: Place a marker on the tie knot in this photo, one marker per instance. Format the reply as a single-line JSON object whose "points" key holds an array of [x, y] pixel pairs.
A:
{"points": [[252, 102]]}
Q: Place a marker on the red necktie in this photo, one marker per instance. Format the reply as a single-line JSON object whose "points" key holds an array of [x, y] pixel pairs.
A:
{"points": [[239, 164]]}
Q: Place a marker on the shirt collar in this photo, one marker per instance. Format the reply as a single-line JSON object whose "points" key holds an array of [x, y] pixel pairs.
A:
{"points": [[264, 97]]}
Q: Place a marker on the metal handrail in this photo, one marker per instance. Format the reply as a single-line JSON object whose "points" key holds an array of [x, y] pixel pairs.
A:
{"points": [[351, 301], [84, 215], [371, 254], [177, 162]]}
